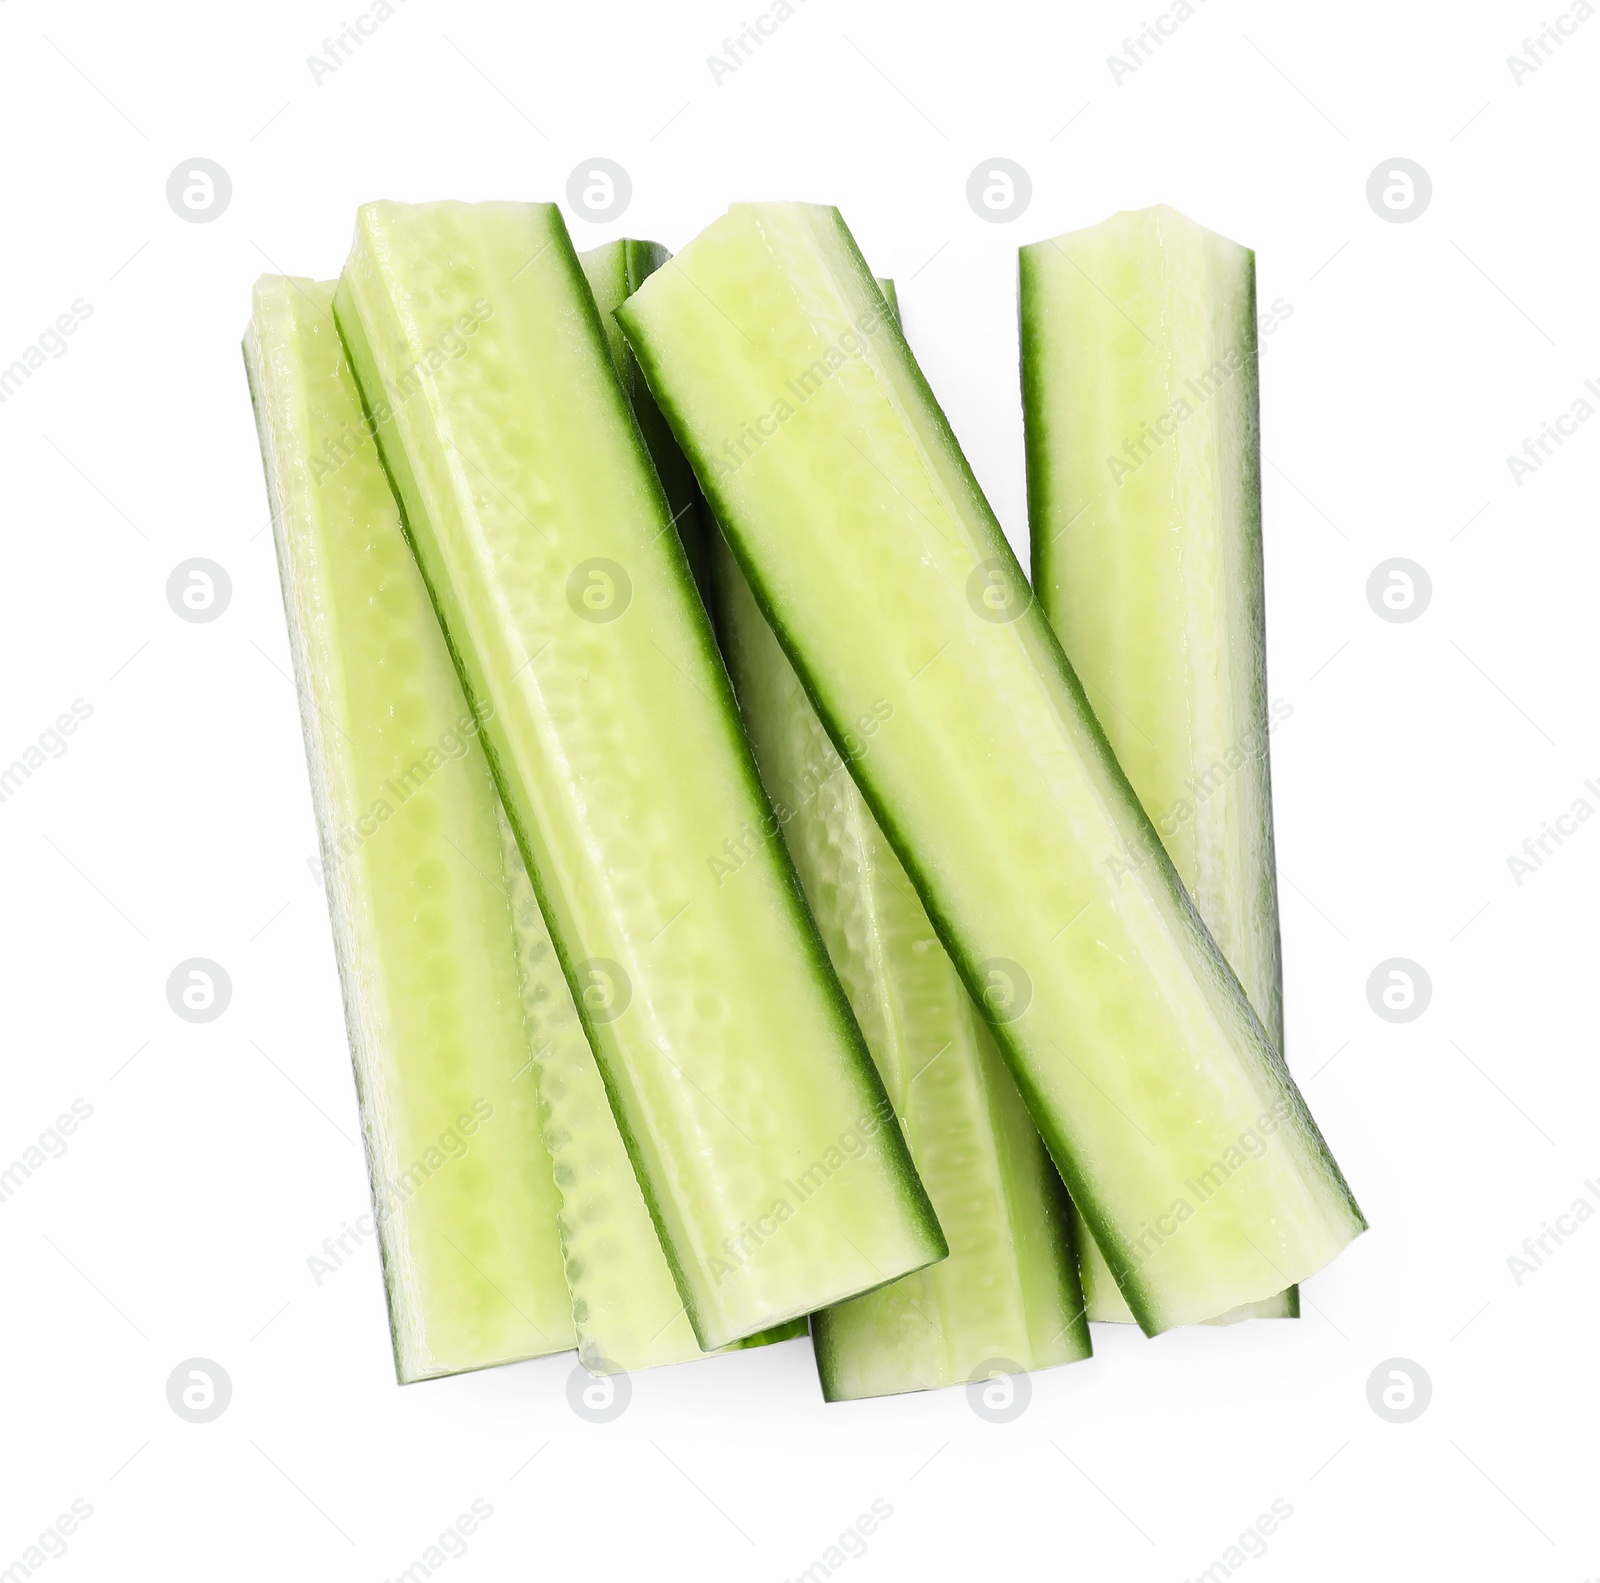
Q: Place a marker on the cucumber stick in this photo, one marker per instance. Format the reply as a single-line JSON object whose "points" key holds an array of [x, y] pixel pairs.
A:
{"points": [[408, 820], [887, 580], [748, 1102], [1141, 411], [1009, 1290]]}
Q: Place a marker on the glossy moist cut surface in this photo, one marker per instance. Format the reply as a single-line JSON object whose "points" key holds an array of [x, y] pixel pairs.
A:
{"points": [[407, 812], [746, 1098], [868, 543]]}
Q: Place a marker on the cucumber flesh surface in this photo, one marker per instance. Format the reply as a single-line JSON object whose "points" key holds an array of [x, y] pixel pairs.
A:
{"points": [[625, 1306], [888, 582], [1008, 1294], [738, 1077], [614, 272], [407, 814], [1141, 413]]}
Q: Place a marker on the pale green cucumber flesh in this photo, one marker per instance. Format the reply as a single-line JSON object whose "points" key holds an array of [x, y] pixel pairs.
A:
{"points": [[462, 1187], [615, 271], [625, 1305], [1008, 1295], [1141, 415], [888, 582], [748, 1103]]}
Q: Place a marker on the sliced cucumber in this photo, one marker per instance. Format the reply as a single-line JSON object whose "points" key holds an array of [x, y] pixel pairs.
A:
{"points": [[1140, 402], [624, 1304], [886, 578], [1008, 1294], [748, 1102], [462, 1187], [614, 272]]}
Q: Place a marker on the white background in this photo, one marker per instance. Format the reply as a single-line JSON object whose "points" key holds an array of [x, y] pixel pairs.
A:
{"points": [[1418, 756]]}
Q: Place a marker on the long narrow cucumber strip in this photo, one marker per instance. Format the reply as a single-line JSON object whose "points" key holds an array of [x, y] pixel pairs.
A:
{"points": [[1008, 1295], [614, 272], [462, 1187], [889, 583], [748, 1102], [624, 1304], [1140, 404]]}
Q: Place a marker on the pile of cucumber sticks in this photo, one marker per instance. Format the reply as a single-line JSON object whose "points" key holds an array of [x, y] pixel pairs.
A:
{"points": [[748, 918]]}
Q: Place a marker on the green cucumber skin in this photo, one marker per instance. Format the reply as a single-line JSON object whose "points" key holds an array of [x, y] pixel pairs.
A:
{"points": [[676, 341], [1010, 1286], [890, 1205], [614, 272], [1142, 539], [426, 955]]}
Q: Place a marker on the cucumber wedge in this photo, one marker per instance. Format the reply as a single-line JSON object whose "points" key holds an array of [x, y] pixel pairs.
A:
{"points": [[749, 1105], [462, 1187], [614, 272], [887, 580], [624, 1304], [1141, 411], [1009, 1290]]}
